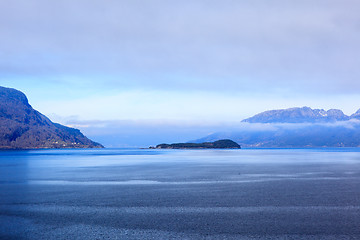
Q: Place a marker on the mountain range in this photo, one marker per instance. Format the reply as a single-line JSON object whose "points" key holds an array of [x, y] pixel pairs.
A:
{"points": [[22, 127], [301, 115], [295, 127]]}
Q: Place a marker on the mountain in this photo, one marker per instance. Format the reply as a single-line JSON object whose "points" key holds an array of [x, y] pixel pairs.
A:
{"points": [[224, 144], [22, 127], [295, 128], [298, 115], [356, 115]]}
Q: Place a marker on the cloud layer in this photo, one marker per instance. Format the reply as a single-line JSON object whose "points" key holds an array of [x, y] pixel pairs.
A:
{"points": [[230, 45]]}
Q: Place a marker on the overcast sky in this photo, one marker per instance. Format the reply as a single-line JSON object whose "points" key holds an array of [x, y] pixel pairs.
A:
{"points": [[200, 62]]}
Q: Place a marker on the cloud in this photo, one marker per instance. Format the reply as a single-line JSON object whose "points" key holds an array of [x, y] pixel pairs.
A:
{"points": [[196, 61], [261, 46], [259, 127]]}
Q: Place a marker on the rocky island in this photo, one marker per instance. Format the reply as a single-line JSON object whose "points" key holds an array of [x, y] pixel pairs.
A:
{"points": [[22, 127], [224, 144]]}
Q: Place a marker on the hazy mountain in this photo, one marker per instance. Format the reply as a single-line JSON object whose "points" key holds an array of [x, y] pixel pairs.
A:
{"points": [[356, 115], [22, 127], [295, 127], [298, 115]]}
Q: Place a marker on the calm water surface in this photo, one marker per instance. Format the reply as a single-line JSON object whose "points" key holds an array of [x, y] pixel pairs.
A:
{"points": [[180, 194]]}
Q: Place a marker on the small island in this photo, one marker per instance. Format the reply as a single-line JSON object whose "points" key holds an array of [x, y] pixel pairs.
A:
{"points": [[220, 144]]}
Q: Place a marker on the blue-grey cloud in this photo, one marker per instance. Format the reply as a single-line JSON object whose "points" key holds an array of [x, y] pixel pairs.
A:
{"points": [[280, 46]]}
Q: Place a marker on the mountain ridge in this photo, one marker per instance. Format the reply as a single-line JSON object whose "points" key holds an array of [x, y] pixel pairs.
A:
{"points": [[22, 127], [300, 115]]}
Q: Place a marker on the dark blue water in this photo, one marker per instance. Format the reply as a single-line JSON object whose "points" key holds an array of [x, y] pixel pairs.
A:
{"points": [[180, 194]]}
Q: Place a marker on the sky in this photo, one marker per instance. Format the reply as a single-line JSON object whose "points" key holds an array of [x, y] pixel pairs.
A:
{"points": [[132, 73]]}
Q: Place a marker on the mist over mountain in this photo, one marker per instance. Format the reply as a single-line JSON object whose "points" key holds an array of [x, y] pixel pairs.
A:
{"points": [[295, 127], [22, 127]]}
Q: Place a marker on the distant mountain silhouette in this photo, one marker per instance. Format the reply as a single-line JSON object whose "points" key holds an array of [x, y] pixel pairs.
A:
{"points": [[298, 115], [22, 127], [295, 127]]}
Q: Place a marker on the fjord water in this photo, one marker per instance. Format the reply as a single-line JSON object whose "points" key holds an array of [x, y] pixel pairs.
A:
{"points": [[180, 194]]}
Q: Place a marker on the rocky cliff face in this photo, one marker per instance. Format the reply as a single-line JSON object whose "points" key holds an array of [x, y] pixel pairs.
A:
{"points": [[22, 127]]}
